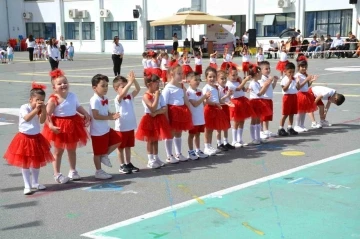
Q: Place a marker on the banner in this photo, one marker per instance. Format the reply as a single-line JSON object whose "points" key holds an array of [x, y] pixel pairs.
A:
{"points": [[222, 35]]}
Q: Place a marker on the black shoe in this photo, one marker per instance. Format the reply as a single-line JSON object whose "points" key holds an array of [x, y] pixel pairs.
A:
{"points": [[291, 131], [282, 132], [125, 169], [229, 146], [222, 147], [133, 168]]}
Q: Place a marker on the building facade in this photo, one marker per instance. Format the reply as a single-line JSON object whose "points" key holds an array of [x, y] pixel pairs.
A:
{"points": [[92, 24]]}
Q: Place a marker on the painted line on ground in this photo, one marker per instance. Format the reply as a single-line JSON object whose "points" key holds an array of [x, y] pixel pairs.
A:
{"points": [[219, 193]]}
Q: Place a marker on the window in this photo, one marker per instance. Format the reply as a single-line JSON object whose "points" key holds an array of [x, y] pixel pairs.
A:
{"points": [[163, 32], [124, 30], [330, 22], [88, 31], [41, 30], [279, 23], [72, 30]]}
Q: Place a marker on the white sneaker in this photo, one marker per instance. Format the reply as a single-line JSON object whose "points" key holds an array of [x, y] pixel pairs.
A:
{"points": [[61, 179], [264, 135], [181, 158], [153, 164], [74, 175], [201, 155], [27, 191], [192, 155], [298, 129], [215, 150], [316, 125], [243, 144], [209, 152], [237, 144], [38, 186], [172, 159], [271, 134], [255, 142], [105, 160], [101, 174], [304, 128], [325, 123], [159, 161]]}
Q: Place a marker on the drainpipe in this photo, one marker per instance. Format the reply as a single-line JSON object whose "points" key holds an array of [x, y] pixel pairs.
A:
{"points": [[7, 17], [143, 19]]}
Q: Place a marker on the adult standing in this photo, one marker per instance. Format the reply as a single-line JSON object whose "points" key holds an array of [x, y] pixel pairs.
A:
{"points": [[175, 42], [53, 53], [62, 44], [30, 46], [117, 56]]}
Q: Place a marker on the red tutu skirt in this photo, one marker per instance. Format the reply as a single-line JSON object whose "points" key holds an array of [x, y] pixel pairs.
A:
{"points": [[226, 110], [186, 70], [29, 151], [245, 66], [260, 108], [242, 109], [164, 76], [320, 102], [306, 102], [180, 118], [280, 66], [198, 69], [223, 66], [72, 134], [156, 71], [148, 71], [153, 128], [215, 118], [213, 65]]}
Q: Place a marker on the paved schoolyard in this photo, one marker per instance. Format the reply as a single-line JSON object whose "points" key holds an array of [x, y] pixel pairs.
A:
{"points": [[263, 210]]}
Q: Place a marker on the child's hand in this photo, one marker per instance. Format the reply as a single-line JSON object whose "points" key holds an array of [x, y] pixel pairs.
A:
{"points": [[247, 78], [297, 79], [157, 93], [131, 76], [314, 78], [269, 81], [276, 78], [229, 92], [54, 129], [218, 105], [40, 105], [87, 119], [115, 116], [207, 95], [153, 114]]}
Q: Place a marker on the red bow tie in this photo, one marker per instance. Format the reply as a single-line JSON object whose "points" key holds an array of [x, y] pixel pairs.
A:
{"points": [[225, 89], [104, 102], [198, 93], [127, 97]]}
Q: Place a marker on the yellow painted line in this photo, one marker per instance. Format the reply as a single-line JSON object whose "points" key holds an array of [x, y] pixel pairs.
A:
{"points": [[222, 213], [138, 156], [187, 191], [293, 153], [199, 200], [261, 233]]}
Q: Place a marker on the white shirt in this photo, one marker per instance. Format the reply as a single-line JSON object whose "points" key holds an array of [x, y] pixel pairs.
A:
{"points": [[33, 126], [222, 92], [117, 49], [163, 65], [283, 56], [269, 94], [214, 93], [213, 60], [30, 44], [274, 45], [68, 107], [325, 92], [160, 104], [255, 88], [245, 38], [143, 62], [98, 127], [232, 86], [228, 58], [9, 50], [71, 49], [302, 77], [53, 52], [260, 57], [187, 62], [337, 42], [197, 113], [198, 61], [127, 120], [292, 88], [246, 58], [173, 95], [148, 63], [154, 64], [62, 42]]}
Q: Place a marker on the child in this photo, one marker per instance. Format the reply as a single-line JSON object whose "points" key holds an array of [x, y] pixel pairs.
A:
{"points": [[36, 52], [289, 101], [305, 100], [10, 53], [324, 93], [155, 65], [126, 124], [71, 51], [153, 125], [267, 98], [148, 70], [245, 61], [213, 57], [242, 108], [280, 66], [198, 62], [104, 139], [2, 56], [65, 128], [179, 114], [29, 148], [215, 118], [227, 58], [164, 67], [224, 94], [258, 105], [43, 50], [259, 56], [196, 99], [186, 68]]}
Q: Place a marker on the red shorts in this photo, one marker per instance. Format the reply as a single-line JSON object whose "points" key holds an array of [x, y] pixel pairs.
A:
{"points": [[198, 69], [102, 143], [127, 139], [197, 129], [269, 104], [320, 102], [289, 104]]}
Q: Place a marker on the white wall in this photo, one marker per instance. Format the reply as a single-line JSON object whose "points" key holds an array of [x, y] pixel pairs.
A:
{"points": [[4, 24], [164, 8], [311, 5], [270, 6]]}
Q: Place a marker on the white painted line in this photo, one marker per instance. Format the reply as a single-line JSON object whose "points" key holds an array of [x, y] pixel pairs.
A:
{"points": [[91, 234], [10, 111], [293, 181], [4, 123]]}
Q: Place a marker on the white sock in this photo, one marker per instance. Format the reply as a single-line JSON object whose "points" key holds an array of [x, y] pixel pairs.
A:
{"points": [[35, 176], [303, 120], [26, 176], [257, 131], [239, 135], [207, 146], [298, 120], [150, 157], [177, 142], [168, 146], [234, 134], [197, 150], [252, 132], [226, 141], [218, 142], [289, 126]]}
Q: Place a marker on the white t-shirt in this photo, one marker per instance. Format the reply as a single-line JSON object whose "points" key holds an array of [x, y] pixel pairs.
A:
{"points": [[232, 86], [164, 64], [148, 63], [325, 92], [214, 93], [71, 49], [269, 94], [127, 120], [144, 63], [213, 60], [255, 88], [302, 77], [228, 58], [222, 92], [30, 44], [160, 104], [283, 56], [99, 127], [292, 88], [198, 61], [9, 50], [33, 126], [118, 49], [260, 57], [173, 95], [68, 107], [197, 113], [246, 58], [154, 64], [245, 38]]}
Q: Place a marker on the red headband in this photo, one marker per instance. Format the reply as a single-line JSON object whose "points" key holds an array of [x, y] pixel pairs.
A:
{"points": [[56, 73], [35, 85]]}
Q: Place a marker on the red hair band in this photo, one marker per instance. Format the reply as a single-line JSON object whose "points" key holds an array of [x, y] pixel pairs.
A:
{"points": [[35, 85], [56, 73]]}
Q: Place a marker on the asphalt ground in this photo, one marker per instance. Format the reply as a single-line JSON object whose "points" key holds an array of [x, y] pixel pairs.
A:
{"points": [[67, 211]]}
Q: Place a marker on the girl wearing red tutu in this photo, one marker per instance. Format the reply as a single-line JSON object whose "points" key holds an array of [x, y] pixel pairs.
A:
{"points": [[153, 125], [258, 105], [186, 68], [198, 62], [245, 61], [65, 128], [215, 117], [227, 58], [280, 66], [179, 114], [213, 57], [242, 109], [305, 100], [164, 67], [29, 148], [155, 64]]}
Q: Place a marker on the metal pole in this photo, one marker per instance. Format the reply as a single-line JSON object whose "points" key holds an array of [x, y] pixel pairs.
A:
{"points": [[7, 17]]}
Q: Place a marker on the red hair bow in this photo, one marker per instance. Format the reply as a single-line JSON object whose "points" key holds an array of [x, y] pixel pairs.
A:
{"points": [[198, 93], [35, 85], [151, 53], [56, 73]]}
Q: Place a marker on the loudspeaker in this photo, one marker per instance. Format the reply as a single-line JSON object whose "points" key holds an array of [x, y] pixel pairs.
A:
{"points": [[353, 1], [136, 13], [252, 37]]}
